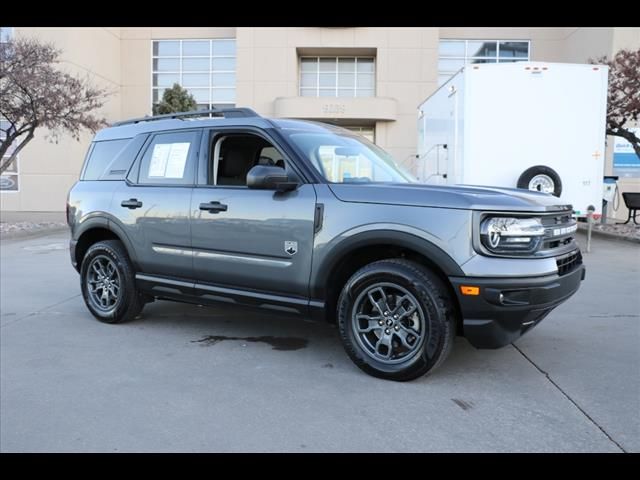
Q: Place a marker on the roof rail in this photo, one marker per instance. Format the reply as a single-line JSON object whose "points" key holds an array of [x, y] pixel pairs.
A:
{"points": [[226, 112]]}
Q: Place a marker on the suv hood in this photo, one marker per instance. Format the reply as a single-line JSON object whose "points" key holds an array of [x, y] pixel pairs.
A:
{"points": [[465, 197]]}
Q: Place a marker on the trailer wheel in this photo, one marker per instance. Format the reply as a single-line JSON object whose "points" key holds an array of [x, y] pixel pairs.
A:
{"points": [[541, 179]]}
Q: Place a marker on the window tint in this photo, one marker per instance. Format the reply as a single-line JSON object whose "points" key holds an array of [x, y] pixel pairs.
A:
{"points": [[118, 168], [169, 159], [271, 156], [234, 155], [100, 157]]}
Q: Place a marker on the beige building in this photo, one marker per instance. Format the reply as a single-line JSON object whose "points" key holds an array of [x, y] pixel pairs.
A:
{"points": [[368, 79]]}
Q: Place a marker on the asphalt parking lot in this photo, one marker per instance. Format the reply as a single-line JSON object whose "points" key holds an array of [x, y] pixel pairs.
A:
{"points": [[188, 378]]}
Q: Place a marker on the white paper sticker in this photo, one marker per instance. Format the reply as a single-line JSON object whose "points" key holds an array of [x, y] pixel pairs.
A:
{"points": [[168, 160], [158, 163], [177, 160]]}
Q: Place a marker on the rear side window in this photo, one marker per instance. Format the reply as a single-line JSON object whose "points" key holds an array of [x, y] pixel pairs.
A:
{"points": [[101, 156], [169, 159]]}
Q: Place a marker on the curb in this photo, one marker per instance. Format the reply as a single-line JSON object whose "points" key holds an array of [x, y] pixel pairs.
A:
{"points": [[607, 235], [24, 234]]}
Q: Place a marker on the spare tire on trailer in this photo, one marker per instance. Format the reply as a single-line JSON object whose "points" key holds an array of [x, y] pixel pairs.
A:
{"points": [[541, 179]]}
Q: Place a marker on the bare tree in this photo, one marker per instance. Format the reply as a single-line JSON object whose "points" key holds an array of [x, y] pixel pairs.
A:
{"points": [[34, 93], [623, 97]]}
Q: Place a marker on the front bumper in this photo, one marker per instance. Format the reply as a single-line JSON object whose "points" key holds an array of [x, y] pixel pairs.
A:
{"points": [[493, 321]]}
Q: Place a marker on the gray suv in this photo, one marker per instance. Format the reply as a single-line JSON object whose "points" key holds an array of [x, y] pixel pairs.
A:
{"points": [[304, 218]]}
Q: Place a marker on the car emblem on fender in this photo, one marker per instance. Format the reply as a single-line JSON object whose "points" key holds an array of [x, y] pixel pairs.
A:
{"points": [[291, 247]]}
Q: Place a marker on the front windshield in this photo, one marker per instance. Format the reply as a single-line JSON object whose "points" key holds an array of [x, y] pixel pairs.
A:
{"points": [[348, 158]]}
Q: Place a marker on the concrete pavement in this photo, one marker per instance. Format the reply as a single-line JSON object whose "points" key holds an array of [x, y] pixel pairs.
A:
{"points": [[188, 378]]}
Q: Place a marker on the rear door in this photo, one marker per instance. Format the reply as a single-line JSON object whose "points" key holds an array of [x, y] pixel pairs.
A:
{"points": [[153, 205]]}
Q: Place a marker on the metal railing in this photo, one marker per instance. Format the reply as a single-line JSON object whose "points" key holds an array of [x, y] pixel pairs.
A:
{"points": [[423, 157]]}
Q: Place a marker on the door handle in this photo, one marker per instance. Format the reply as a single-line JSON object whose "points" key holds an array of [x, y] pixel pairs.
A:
{"points": [[131, 203], [213, 207]]}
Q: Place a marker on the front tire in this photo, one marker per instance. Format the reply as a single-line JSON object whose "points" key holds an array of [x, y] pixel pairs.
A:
{"points": [[107, 279], [396, 320]]}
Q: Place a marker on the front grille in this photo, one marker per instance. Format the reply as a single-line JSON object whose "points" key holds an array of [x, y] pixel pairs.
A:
{"points": [[559, 230], [568, 263]]}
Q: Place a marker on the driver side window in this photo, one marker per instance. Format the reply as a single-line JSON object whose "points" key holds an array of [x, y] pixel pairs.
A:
{"points": [[233, 155], [270, 156]]}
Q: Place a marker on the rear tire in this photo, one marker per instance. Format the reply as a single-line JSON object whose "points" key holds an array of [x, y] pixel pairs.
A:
{"points": [[395, 319], [107, 279], [541, 179]]}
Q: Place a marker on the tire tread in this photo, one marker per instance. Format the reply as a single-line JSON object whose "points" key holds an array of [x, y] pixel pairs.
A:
{"points": [[444, 305], [134, 301]]}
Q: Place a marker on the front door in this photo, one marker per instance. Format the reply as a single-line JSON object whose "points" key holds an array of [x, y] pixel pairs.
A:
{"points": [[255, 240]]}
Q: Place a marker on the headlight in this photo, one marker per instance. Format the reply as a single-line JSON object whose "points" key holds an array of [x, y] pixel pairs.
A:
{"points": [[511, 235]]}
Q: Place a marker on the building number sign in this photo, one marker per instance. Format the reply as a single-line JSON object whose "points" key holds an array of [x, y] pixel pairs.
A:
{"points": [[333, 108]]}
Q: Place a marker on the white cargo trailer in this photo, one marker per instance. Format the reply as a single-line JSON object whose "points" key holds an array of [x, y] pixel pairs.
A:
{"points": [[526, 124]]}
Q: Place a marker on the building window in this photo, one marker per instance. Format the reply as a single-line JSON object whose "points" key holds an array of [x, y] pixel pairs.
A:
{"points": [[206, 68], [366, 132], [337, 76], [6, 33], [10, 179], [455, 54]]}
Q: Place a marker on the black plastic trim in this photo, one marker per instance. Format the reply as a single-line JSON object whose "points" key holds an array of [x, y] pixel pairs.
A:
{"points": [[193, 292], [318, 217], [492, 321], [377, 237]]}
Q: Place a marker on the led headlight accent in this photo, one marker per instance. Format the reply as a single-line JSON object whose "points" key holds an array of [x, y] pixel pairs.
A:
{"points": [[511, 235]]}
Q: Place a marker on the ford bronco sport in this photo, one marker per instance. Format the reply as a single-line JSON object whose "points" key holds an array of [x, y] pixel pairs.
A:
{"points": [[310, 219]]}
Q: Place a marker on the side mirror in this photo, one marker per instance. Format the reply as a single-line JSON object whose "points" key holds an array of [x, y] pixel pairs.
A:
{"points": [[269, 177]]}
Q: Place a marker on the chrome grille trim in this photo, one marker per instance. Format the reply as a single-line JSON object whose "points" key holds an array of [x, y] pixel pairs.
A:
{"points": [[559, 230]]}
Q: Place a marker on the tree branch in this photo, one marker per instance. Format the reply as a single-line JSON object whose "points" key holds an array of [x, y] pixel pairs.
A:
{"points": [[6, 162], [628, 135], [623, 96], [34, 93]]}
